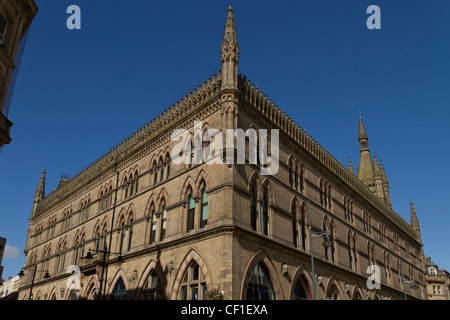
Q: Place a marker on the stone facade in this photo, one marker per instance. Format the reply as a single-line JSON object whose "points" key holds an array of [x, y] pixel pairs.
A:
{"points": [[15, 19], [256, 242]]}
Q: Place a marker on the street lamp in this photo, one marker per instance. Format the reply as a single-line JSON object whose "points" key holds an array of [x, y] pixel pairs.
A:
{"points": [[412, 283], [328, 242], [21, 274], [89, 256]]}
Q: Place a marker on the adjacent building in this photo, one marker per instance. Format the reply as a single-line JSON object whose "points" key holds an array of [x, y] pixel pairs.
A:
{"points": [[438, 281], [154, 228], [15, 21]]}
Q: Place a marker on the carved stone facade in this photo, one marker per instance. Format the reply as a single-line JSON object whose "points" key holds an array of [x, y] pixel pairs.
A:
{"points": [[179, 230]]}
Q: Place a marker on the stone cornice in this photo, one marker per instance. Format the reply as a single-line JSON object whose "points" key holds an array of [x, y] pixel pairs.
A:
{"points": [[302, 141], [140, 143]]}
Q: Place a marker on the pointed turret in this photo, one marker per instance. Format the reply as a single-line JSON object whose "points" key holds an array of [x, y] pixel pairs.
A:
{"points": [[350, 166], [230, 54], [39, 194], [40, 191], [365, 172], [414, 221], [378, 178], [387, 197]]}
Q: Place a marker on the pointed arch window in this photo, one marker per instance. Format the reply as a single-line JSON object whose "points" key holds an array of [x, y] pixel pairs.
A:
{"points": [[193, 284], [264, 221], [253, 212], [120, 291], [259, 285], [191, 211], [163, 220], [300, 293], [130, 233], [152, 287], [123, 234], [153, 224], [204, 208]]}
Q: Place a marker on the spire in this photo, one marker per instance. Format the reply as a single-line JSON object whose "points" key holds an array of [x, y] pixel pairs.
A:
{"points": [[40, 191], [379, 191], [230, 53], [414, 220], [365, 172], [385, 185], [350, 166]]}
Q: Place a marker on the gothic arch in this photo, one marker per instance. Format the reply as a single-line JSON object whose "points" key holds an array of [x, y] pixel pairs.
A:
{"points": [[355, 292], [119, 274], [202, 176], [93, 284], [301, 273], [266, 186], [53, 294], [189, 182], [192, 255], [332, 282], [152, 265], [255, 181], [262, 257], [151, 200], [162, 195]]}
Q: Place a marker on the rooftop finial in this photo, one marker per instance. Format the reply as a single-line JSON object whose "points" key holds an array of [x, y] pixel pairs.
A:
{"points": [[230, 53]]}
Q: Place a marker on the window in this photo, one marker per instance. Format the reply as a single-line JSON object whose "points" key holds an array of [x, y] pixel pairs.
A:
{"points": [[204, 208], [84, 209], [163, 220], [259, 286], [130, 233], [348, 210], [120, 292], [325, 194], [153, 224], [191, 212], [193, 285], [122, 236], [152, 287], [353, 251], [299, 291], [264, 216], [253, 209]]}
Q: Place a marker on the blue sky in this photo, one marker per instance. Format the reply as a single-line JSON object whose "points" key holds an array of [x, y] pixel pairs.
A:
{"points": [[81, 92]]}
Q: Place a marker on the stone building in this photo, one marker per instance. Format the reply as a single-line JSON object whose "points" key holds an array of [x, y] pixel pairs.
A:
{"points": [[15, 20], [437, 281], [178, 231]]}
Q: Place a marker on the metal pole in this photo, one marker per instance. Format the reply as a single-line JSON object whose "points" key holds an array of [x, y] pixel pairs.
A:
{"points": [[32, 282]]}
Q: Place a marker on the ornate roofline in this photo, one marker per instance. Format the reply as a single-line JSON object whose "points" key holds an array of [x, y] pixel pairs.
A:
{"points": [[184, 107], [265, 105]]}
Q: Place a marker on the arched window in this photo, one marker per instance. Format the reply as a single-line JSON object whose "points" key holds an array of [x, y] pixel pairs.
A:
{"points": [[259, 285], [191, 211], [163, 220], [204, 208], [299, 291], [253, 213], [123, 235], [264, 221], [155, 177], [193, 285], [153, 224], [119, 292], [152, 286], [130, 233], [333, 293]]}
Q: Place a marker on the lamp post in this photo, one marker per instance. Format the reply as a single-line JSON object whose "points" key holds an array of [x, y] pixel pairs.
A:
{"points": [[21, 274], [412, 283], [105, 252], [90, 256], [317, 235]]}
